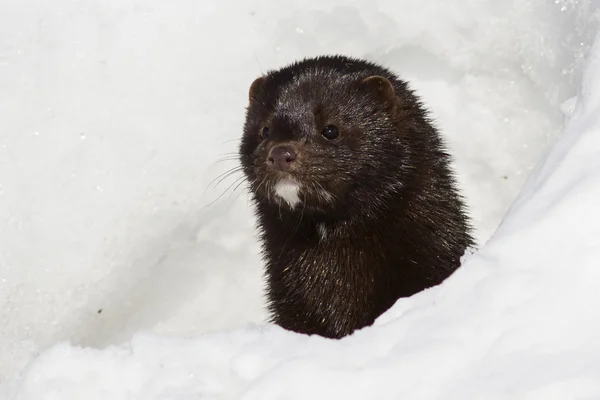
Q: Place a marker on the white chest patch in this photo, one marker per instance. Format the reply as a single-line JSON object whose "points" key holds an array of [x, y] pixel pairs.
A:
{"points": [[287, 189]]}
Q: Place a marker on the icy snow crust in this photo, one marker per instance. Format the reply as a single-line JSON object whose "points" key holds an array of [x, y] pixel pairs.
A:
{"points": [[114, 115]]}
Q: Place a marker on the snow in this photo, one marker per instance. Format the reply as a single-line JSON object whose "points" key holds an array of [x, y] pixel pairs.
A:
{"points": [[128, 271]]}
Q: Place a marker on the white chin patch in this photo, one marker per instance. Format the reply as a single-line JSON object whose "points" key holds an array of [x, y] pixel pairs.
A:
{"points": [[287, 190]]}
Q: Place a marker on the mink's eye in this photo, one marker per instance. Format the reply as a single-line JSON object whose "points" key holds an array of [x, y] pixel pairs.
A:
{"points": [[264, 133], [330, 132]]}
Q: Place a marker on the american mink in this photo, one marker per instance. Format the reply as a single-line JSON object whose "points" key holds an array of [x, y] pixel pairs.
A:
{"points": [[355, 199]]}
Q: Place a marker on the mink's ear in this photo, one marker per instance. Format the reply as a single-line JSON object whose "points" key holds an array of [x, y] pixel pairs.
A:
{"points": [[380, 85], [256, 87]]}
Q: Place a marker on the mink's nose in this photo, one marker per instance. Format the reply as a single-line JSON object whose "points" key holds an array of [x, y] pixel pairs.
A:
{"points": [[281, 157]]}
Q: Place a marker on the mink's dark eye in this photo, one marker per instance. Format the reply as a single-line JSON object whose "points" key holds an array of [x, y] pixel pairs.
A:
{"points": [[330, 132], [264, 133]]}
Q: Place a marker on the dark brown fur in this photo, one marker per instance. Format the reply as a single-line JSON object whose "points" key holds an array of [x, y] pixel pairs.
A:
{"points": [[394, 223]]}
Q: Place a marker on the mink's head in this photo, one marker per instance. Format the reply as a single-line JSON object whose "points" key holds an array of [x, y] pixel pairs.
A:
{"points": [[326, 133]]}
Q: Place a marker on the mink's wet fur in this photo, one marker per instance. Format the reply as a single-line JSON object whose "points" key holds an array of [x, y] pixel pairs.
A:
{"points": [[379, 217]]}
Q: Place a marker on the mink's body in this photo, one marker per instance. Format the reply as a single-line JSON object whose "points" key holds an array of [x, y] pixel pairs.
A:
{"points": [[354, 195]]}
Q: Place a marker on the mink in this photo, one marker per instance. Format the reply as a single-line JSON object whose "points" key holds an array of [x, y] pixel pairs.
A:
{"points": [[355, 199]]}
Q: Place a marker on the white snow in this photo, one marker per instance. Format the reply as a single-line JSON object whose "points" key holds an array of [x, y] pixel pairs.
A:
{"points": [[119, 251]]}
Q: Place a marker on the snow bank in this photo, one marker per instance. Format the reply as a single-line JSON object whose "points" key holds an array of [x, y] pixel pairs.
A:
{"points": [[518, 320], [113, 116]]}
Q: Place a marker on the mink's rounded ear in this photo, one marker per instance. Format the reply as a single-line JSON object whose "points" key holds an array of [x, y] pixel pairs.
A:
{"points": [[380, 85], [256, 87]]}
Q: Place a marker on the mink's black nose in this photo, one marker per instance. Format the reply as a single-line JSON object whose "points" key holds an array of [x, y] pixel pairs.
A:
{"points": [[281, 157]]}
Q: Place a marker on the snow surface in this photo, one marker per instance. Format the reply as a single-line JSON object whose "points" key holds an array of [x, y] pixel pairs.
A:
{"points": [[113, 115]]}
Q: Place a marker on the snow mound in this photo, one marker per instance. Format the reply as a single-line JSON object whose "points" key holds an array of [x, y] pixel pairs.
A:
{"points": [[114, 117], [518, 320]]}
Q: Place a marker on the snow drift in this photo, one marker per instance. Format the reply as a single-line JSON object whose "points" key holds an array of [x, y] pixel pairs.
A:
{"points": [[518, 320], [113, 114]]}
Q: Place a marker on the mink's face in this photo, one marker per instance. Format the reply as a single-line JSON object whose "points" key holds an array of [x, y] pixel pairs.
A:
{"points": [[310, 142]]}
